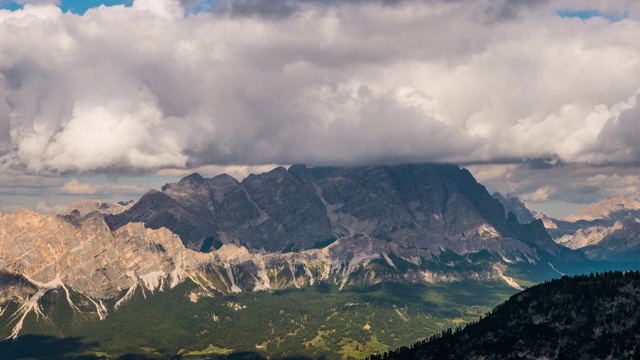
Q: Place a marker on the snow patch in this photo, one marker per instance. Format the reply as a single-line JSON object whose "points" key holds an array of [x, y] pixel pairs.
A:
{"points": [[130, 292], [309, 274], [415, 260], [386, 257], [507, 279], [234, 288], [358, 260], [177, 276], [31, 304], [153, 280], [505, 259], [262, 282], [556, 270], [100, 308], [487, 231]]}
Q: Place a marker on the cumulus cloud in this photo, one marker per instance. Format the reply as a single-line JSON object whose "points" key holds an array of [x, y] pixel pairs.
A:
{"points": [[45, 208], [569, 183], [75, 187], [239, 172], [19, 184], [148, 88]]}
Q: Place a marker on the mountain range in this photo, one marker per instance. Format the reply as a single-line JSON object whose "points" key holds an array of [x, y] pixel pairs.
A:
{"points": [[608, 230], [204, 242]]}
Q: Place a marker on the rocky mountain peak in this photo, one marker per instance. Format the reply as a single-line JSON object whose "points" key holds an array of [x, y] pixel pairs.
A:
{"points": [[513, 204], [429, 206], [85, 206], [605, 208]]}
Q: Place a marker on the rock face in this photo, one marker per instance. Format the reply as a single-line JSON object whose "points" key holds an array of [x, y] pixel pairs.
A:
{"points": [[83, 258], [422, 206], [513, 204], [615, 207], [86, 206], [606, 230]]}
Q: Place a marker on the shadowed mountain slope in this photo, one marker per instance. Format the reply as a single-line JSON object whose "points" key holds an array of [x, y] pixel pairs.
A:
{"points": [[428, 206], [584, 317]]}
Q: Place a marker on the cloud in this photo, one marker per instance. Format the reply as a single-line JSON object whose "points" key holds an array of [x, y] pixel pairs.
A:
{"points": [[570, 183], [541, 194], [8, 209], [146, 88], [74, 187], [45, 208], [239, 172], [15, 183]]}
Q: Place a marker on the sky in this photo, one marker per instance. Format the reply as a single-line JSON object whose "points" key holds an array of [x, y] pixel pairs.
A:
{"points": [[107, 99]]}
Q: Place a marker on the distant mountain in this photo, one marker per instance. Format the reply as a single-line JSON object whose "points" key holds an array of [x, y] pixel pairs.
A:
{"points": [[86, 206], [513, 204], [611, 208], [606, 230], [584, 317]]}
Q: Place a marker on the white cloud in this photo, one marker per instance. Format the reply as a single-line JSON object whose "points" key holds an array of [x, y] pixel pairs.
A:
{"points": [[75, 187], [45, 208], [147, 90], [8, 209], [239, 172], [569, 183], [540, 195]]}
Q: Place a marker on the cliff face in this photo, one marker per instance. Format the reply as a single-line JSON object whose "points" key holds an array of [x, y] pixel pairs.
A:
{"points": [[606, 230], [81, 257], [513, 204], [420, 206]]}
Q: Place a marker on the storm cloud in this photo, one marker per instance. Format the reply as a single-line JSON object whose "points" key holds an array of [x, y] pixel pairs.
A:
{"points": [[165, 85]]}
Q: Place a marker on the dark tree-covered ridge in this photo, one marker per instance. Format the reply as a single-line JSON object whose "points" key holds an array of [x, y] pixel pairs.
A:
{"points": [[592, 316]]}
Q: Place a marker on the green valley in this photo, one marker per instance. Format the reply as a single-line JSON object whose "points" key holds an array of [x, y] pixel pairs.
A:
{"points": [[316, 321]]}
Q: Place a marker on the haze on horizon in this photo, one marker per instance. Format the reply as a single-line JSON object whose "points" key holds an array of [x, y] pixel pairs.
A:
{"points": [[534, 97]]}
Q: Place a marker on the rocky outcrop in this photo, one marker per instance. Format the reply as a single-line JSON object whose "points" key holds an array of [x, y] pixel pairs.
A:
{"points": [[514, 205]]}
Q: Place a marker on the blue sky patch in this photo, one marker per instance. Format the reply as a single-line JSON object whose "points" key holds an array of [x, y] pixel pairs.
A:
{"points": [[75, 6], [590, 13]]}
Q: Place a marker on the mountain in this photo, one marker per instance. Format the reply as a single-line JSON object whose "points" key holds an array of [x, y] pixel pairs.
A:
{"points": [[513, 204], [374, 242], [85, 206], [611, 208], [70, 276], [606, 230], [426, 206], [583, 317]]}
